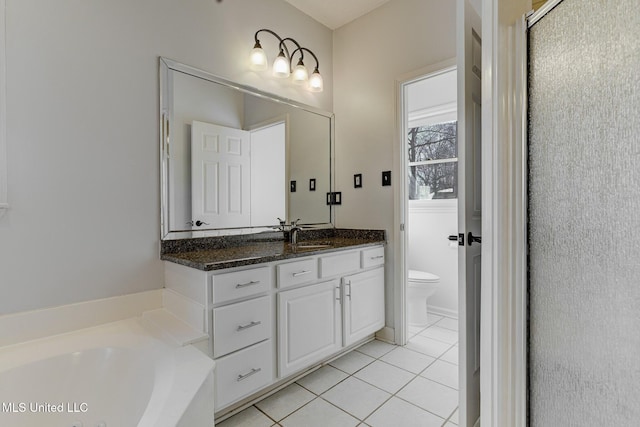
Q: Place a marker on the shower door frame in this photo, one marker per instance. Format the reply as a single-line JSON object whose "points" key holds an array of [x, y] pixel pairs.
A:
{"points": [[505, 157], [505, 353]]}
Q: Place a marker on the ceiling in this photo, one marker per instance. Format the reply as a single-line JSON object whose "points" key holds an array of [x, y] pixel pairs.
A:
{"points": [[336, 13]]}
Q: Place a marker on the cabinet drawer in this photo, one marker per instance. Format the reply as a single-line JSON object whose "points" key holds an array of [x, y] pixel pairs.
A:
{"points": [[372, 257], [239, 325], [297, 272], [334, 265], [239, 284], [243, 373]]}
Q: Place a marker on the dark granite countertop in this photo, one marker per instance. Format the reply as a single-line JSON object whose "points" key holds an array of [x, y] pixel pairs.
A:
{"points": [[215, 253]]}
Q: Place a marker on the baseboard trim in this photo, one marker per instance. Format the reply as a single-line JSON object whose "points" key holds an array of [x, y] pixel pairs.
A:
{"points": [[441, 311], [386, 334]]}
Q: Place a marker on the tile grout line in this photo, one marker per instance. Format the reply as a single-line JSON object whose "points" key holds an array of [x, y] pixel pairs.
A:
{"points": [[401, 388], [391, 395]]}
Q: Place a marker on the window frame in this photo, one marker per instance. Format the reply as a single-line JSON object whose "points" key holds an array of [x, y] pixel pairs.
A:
{"points": [[417, 202]]}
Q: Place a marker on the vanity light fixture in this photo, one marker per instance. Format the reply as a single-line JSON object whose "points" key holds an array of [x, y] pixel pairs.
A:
{"points": [[282, 65]]}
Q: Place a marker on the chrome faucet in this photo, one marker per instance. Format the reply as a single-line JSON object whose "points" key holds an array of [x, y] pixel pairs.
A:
{"points": [[292, 229], [293, 232]]}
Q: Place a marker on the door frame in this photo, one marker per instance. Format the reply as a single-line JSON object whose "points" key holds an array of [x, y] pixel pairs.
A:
{"points": [[401, 203], [503, 352]]}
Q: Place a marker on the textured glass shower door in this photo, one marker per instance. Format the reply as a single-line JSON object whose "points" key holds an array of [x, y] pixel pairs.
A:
{"points": [[584, 215]]}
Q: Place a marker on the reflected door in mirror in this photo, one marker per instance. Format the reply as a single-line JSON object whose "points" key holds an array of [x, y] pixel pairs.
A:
{"points": [[220, 178]]}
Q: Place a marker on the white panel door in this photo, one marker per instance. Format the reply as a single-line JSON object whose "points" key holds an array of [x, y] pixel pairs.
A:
{"points": [[220, 176], [469, 209], [308, 325]]}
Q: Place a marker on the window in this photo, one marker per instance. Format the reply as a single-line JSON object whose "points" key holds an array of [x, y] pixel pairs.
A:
{"points": [[433, 161]]}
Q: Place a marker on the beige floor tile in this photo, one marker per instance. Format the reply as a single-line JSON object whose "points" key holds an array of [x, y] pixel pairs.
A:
{"points": [[408, 360], [352, 362], [284, 402], [356, 397], [376, 348], [322, 379], [398, 413], [319, 413], [431, 396], [387, 377]]}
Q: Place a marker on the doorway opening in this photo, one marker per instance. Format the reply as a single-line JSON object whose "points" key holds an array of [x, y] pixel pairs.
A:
{"points": [[430, 260], [428, 206]]}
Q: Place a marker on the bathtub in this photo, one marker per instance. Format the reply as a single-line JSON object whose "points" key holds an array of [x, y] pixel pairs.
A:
{"points": [[116, 375]]}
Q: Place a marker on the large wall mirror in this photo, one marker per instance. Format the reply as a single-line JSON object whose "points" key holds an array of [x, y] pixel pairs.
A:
{"points": [[235, 159]]}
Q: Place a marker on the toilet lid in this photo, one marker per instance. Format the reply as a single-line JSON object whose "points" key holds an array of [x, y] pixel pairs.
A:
{"points": [[422, 276]]}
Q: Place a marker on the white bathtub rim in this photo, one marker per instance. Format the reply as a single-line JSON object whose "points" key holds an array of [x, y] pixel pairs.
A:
{"points": [[179, 372]]}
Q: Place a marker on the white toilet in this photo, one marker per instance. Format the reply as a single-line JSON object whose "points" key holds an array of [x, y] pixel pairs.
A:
{"points": [[421, 285]]}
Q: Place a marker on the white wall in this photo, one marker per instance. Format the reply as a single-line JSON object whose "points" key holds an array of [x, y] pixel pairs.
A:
{"points": [[82, 131], [430, 223], [370, 53]]}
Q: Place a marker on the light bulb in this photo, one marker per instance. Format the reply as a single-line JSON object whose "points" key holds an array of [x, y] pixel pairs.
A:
{"points": [[315, 82], [300, 74], [258, 58], [281, 66]]}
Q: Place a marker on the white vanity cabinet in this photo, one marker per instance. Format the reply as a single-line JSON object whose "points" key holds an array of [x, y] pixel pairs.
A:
{"points": [[268, 322], [309, 326], [363, 304], [316, 320], [241, 332]]}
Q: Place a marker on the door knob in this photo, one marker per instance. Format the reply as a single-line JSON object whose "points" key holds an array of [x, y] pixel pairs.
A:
{"points": [[471, 238], [201, 223]]}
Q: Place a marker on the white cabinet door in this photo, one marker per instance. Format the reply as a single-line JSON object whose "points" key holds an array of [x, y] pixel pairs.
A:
{"points": [[308, 325], [363, 304]]}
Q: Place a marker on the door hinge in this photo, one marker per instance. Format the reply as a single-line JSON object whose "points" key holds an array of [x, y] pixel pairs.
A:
{"points": [[401, 227]]}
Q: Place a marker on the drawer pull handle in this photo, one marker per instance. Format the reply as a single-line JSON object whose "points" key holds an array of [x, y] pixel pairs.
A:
{"points": [[248, 374], [244, 285], [377, 257], [301, 273], [250, 325]]}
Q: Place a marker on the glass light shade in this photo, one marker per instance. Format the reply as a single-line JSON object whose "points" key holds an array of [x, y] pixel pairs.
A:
{"points": [[258, 59], [281, 66], [316, 83], [300, 74]]}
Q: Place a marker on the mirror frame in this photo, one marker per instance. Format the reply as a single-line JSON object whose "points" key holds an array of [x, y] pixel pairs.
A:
{"points": [[165, 66]]}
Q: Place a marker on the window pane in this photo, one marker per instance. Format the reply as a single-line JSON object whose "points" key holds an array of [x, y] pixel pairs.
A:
{"points": [[435, 181], [433, 142]]}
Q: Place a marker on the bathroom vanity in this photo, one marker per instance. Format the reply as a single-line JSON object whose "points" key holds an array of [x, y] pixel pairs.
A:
{"points": [[275, 310], [233, 162]]}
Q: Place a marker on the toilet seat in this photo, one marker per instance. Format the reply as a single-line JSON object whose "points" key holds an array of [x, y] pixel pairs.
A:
{"points": [[422, 277]]}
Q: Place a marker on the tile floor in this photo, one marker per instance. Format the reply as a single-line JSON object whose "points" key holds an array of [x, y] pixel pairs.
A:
{"points": [[377, 385]]}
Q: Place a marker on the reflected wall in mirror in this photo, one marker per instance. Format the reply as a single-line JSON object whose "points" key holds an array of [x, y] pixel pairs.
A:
{"points": [[228, 153]]}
